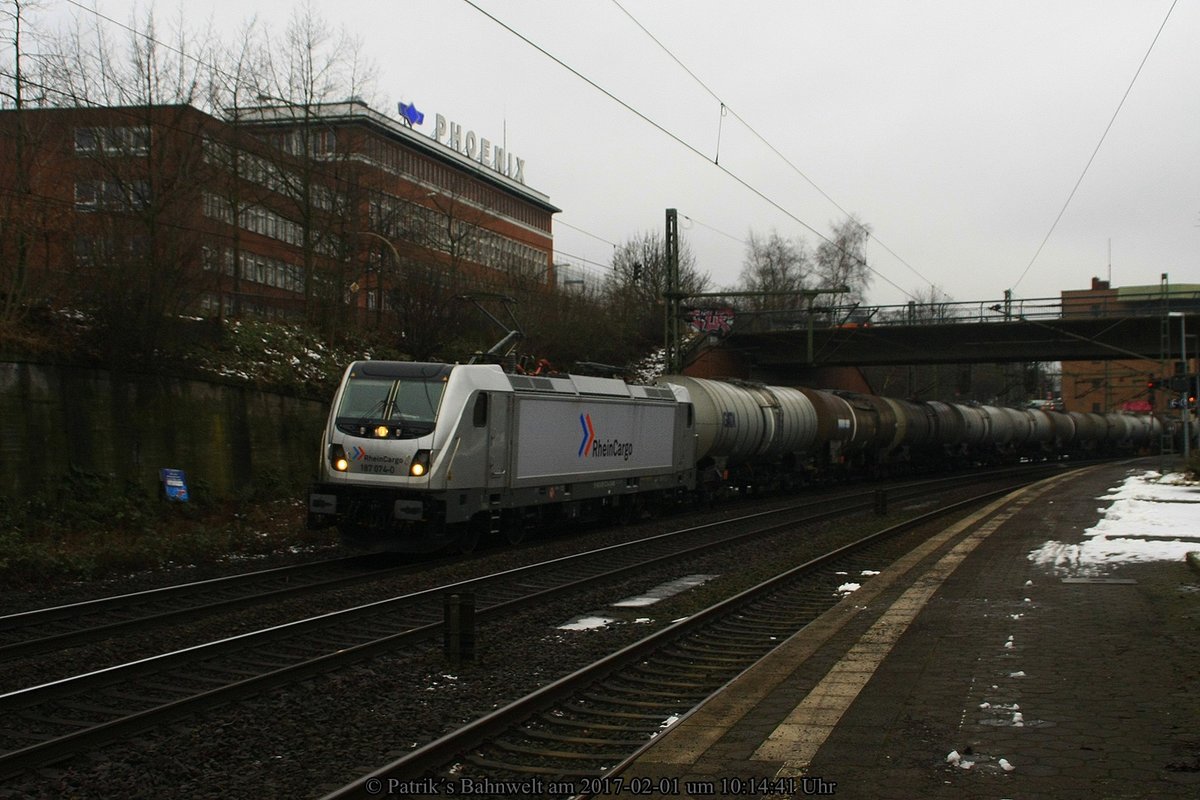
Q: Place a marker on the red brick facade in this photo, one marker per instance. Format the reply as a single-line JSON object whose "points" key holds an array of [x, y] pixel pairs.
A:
{"points": [[1115, 385], [232, 215]]}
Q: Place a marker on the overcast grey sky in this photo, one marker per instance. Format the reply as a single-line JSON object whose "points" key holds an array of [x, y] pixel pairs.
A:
{"points": [[955, 129]]}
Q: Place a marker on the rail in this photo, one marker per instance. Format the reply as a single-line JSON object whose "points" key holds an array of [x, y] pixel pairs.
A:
{"points": [[632, 691]]}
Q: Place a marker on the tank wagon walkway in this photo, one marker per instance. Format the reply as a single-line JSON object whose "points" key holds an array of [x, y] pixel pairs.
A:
{"points": [[973, 672]]}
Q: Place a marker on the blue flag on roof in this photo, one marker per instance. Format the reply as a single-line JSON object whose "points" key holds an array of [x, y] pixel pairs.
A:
{"points": [[409, 112]]}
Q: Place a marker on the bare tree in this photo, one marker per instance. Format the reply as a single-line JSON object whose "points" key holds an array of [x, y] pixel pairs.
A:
{"points": [[775, 264], [929, 305], [15, 208], [640, 268], [310, 67], [567, 326], [445, 250], [26, 219], [841, 260], [639, 279], [241, 173], [423, 298], [139, 179]]}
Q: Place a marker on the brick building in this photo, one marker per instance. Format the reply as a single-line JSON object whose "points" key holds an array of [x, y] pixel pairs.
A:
{"points": [[1114, 385], [274, 210]]}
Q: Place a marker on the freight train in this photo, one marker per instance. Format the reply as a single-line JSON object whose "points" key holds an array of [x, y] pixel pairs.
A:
{"points": [[421, 456]]}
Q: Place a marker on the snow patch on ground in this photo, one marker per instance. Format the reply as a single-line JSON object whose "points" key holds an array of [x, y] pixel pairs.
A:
{"points": [[1153, 517], [663, 591]]}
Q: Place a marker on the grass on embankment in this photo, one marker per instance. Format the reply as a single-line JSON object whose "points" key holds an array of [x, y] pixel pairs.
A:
{"points": [[89, 527]]}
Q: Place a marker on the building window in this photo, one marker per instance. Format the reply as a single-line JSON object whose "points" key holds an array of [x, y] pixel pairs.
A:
{"points": [[112, 195], [269, 272], [209, 302], [85, 251], [85, 195], [124, 141], [86, 140]]}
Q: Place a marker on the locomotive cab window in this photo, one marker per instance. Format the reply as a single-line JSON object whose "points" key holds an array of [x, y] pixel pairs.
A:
{"points": [[403, 407], [479, 417]]}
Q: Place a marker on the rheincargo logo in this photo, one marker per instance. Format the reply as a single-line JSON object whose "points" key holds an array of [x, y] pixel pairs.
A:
{"points": [[591, 447]]}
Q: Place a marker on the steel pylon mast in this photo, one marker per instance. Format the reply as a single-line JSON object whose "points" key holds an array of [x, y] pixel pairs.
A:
{"points": [[672, 295]]}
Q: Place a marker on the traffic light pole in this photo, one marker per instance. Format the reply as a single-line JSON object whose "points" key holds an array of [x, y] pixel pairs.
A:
{"points": [[1184, 411], [1187, 434]]}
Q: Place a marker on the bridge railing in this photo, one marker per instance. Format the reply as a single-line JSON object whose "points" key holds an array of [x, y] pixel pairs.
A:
{"points": [[974, 311]]}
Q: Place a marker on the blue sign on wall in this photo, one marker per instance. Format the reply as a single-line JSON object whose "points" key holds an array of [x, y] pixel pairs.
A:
{"points": [[174, 483]]}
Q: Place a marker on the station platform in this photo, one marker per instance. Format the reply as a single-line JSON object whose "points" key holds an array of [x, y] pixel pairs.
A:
{"points": [[969, 670]]}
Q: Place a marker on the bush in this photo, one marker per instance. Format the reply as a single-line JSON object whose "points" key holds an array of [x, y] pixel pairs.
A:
{"points": [[87, 526]]}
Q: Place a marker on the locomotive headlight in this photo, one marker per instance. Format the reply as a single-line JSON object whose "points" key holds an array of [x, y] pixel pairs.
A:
{"points": [[420, 464], [337, 457], [382, 431]]}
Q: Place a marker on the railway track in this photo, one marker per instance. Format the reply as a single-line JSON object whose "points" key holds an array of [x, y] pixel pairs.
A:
{"points": [[49, 722], [565, 739], [29, 633]]}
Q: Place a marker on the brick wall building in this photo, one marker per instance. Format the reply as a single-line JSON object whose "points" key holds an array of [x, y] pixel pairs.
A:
{"points": [[1114, 385], [275, 210]]}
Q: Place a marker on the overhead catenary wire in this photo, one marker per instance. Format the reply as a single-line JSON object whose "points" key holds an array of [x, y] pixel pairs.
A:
{"points": [[725, 109], [1096, 149], [685, 144], [730, 236], [559, 221]]}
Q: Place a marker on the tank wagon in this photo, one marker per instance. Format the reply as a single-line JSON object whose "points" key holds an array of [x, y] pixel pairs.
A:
{"points": [[420, 456]]}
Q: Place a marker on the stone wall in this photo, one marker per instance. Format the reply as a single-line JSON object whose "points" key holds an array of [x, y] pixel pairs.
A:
{"points": [[229, 440]]}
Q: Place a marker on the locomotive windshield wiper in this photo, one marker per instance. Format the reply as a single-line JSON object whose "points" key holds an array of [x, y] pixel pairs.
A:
{"points": [[374, 412]]}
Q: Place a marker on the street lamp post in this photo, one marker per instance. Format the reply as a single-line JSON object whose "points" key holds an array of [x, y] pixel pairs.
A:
{"points": [[1183, 400], [379, 275]]}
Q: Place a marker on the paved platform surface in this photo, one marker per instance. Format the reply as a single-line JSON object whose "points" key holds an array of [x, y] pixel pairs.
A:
{"points": [[988, 676]]}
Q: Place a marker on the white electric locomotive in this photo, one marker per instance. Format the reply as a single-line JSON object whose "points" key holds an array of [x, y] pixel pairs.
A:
{"points": [[419, 456]]}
